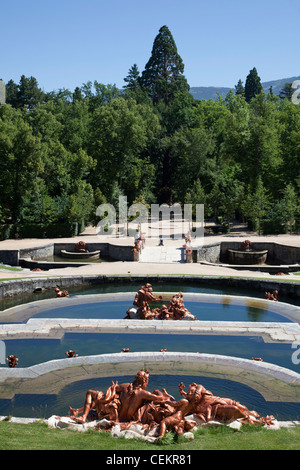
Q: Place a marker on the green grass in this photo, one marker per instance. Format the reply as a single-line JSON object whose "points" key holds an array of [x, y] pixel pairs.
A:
{"points": [[38, 436], [9, 268]]}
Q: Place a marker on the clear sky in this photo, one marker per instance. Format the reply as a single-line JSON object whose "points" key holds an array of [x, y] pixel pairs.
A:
{"points": [[65, 43]]}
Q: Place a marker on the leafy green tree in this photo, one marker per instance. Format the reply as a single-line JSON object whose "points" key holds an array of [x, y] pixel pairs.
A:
{"points": [[21, 155], [263, 153], [260, 203], [289, 120], [190, 149], [120, 132], [236, 134], [44, 122], [80, 202], [290, 205], [213, 115], [38, 207], [99, 94], [215, 200], [75, 120], [253, 85], [197, 196]]}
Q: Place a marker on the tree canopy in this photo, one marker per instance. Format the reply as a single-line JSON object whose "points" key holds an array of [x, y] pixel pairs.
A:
{"points": [[64, 152]]}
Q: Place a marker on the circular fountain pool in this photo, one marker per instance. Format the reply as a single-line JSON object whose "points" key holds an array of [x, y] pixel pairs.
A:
{"points": [[232, 327], [206, 307]]}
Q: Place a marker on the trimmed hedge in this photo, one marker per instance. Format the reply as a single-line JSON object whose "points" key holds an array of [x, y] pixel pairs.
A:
{"points": [[62, 230], [7, 231], [268, 227], [271, 227]]}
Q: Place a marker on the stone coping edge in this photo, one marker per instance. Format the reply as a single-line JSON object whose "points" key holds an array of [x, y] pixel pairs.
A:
{"points": [[46, 328], [285, 375]]}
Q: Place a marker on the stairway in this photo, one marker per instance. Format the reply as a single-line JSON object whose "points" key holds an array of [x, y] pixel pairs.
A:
{"points": [[162, 254]]}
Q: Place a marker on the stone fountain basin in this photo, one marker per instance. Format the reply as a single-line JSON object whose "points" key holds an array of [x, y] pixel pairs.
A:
{"points": [[247, 257], [80, 254]]}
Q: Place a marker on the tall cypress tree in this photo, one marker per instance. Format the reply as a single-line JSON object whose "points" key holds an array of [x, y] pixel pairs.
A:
{"points": [[253, 85], [163, 74]]}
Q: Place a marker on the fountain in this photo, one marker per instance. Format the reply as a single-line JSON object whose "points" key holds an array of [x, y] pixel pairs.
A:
{"points": [[175, 310], [130, 404], [80, 252], [247, 255], [77, 322]]}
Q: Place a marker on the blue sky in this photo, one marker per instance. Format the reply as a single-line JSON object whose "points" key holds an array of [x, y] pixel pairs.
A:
{"points": [[65, 43]]}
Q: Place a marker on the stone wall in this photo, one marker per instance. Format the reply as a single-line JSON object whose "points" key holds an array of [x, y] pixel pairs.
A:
{"points": [[210, 253], [117, 252], [2, 92], [277, 253], [10, 257], [37, 252], [27, 286]]}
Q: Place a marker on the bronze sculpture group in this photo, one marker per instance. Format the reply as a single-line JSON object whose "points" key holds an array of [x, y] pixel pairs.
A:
{"points": [[247, 245], [71, 353], [273, 296], [131, 403], [61, 293], [12, 361], [175, 310], [80, 247]]}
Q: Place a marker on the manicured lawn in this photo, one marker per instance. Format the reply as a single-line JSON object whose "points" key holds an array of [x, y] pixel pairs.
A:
{"points": [[38, 436]]}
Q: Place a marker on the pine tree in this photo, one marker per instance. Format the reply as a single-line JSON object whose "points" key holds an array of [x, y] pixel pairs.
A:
{"points": [[77, 95], [12, 93], [132, 78], [287, 92], [253, 85], [29, 93], [163, 74], [239, 88]]}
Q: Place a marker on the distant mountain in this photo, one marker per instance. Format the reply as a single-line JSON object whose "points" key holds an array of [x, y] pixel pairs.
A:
{"points": [[278, 84], [210, 92]]}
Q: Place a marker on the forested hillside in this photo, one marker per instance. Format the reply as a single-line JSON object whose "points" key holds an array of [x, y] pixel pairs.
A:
{"points": [[63, 153]]}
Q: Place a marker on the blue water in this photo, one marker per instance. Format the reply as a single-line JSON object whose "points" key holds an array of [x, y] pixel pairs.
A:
{"points": [[35, 351], [203, 311]]}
